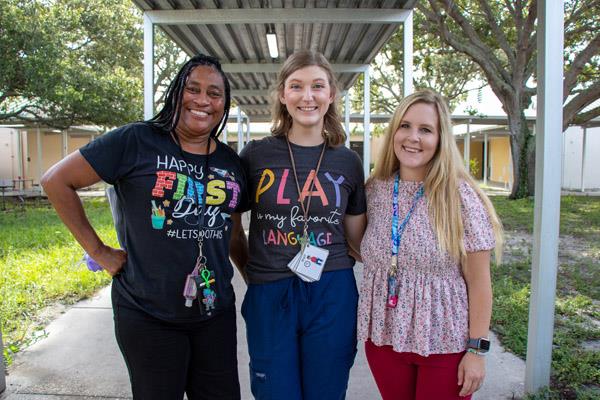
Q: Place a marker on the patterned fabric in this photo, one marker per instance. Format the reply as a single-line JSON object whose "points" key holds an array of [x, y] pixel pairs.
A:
{"points": [[432, 312]]}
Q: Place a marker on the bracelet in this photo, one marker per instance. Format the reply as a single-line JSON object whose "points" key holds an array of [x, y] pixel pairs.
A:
{"points": [[475, 351]]}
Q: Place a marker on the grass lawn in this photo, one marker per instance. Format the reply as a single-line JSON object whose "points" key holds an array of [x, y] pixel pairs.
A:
{"points": [[576, 354], [39, 265]]}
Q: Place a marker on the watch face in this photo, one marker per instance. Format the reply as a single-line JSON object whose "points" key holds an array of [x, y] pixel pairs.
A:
{"points": [[484, 344]]}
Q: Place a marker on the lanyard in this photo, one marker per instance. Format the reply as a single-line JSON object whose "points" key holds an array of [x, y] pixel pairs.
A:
{"points": [[398, 231], [199, 198], [312, 185]]}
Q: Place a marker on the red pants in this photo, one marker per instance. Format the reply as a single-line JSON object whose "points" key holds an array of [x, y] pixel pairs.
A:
{"points": [[409, 376]]}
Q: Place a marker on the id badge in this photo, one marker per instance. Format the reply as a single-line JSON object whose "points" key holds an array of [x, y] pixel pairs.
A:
{"points": [[308, 264]]}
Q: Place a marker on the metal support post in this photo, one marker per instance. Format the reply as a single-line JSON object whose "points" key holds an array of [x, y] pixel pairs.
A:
{"points": [[467, 147], [407, 78], [550, 40], [583, 147], [347, 117], [485, 158], [148, 67], [240, 129], [366, 124], [40, 157]]}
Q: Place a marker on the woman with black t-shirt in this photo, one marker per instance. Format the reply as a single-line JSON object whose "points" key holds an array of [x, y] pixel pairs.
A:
{"points": [[308, 206], [180, 192]]}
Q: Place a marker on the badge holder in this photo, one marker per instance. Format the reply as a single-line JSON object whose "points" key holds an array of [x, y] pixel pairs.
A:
{"points": [[308, 264], [199, 285]]}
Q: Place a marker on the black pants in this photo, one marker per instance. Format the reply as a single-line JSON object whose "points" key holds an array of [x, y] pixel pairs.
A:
{"points": [[167, 359]]}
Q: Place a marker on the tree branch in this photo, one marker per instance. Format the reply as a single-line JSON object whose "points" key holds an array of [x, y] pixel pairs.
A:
{"points": [[498, 33], [496, 75], [575, 16], [576, 67], [579, 102], [484, 51], [583, 118]]}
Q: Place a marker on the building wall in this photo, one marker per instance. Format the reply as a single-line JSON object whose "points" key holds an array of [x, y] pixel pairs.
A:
{"points": [[9, 166], [500, 161], [51, 152], [52, 144], [573, 157]]}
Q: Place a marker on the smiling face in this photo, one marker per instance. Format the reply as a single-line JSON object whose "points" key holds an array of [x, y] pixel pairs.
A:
{"points": [[202, 103], [416, 141], [307, 95]]}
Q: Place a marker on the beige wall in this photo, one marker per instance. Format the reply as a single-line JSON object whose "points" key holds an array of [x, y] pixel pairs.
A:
{"points": [[500, 160], [76, 142], [9, 163], [377, 143], [51, 151]]}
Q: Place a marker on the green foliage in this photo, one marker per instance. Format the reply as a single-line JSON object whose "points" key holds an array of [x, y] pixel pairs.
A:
{"points": [[474, 166], [437, 66], [68, 62], [575, 368], [40, 264]]}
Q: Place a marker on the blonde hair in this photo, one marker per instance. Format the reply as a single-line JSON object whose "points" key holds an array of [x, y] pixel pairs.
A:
{"points": [[444, 174], [333, 132]]}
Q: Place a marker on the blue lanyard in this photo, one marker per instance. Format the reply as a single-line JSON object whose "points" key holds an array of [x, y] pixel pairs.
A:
{"points": [[398, 231]]}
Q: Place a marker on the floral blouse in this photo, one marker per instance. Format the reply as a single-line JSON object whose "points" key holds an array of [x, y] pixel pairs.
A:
{"points": [[431, 316]]}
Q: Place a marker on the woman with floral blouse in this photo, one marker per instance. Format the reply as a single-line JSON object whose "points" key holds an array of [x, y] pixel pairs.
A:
{"points": [[426, 295]]}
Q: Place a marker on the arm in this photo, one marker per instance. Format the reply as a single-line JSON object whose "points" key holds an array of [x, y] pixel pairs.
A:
{"points": [[238, 245], [60, 183], [354, 227], [471, 370]]}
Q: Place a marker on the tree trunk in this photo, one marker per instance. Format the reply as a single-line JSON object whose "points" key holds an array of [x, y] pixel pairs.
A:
{"points": [[522, 145]]}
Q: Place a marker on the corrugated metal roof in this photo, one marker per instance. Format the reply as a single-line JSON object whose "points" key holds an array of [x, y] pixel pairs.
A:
{"points": [[348, 33]]}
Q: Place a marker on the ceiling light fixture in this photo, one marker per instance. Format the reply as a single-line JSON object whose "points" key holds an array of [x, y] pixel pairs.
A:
{"points": [[272, 42]]}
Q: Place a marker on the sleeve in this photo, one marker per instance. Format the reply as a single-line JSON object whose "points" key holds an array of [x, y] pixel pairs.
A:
{"points": [[478, 230], [357, 202], [112, 155], [244, 204], [245, 156]]}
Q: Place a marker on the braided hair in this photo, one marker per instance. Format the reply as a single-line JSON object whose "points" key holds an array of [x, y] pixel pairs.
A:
{"points": [[168, 117]]}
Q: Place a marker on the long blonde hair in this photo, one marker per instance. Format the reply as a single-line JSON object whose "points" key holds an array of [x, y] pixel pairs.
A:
{"points": [[333, 132], [444, 174]]}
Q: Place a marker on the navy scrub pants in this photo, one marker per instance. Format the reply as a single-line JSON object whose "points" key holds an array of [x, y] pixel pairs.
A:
{"points": [[301, 336]]}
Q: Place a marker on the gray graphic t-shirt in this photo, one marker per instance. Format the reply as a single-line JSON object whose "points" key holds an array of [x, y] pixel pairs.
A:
{"points": [[277, 219]]}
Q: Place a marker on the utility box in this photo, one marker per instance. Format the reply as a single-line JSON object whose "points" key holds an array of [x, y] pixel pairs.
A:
{"points": [[2, 372]]}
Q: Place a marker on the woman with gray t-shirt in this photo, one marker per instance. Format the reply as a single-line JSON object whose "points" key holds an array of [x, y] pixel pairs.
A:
{"points": [[308, 216]]}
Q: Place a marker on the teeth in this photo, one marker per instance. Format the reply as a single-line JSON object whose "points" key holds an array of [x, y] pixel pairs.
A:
{"points": [[307, 108], [199, 113], [410, 150]]}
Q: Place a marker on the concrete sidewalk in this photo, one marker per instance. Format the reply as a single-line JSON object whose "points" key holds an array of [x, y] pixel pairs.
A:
{"points": [[79, 360]]}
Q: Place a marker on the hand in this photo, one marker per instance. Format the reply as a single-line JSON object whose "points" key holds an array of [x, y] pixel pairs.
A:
{"points": [[110, 259], [471, 372]]}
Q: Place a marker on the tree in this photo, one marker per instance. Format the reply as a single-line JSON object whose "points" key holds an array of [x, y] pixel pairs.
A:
{"points": [[169, 57], [500, 36], [437, 66], [68, 62]]}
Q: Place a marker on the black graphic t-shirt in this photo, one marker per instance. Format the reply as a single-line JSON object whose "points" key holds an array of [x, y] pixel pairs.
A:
{"points": [[277, 218], [158, 186]]}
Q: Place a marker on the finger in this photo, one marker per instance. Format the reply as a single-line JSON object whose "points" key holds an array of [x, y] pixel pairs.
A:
{"points": [[475, 385], [466, 387], [461, 375]]}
